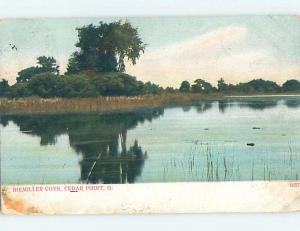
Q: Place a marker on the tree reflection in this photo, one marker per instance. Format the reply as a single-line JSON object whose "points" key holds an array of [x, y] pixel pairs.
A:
{"points": [[100, 139], [260, 104], [255, 104], [4, 121], [292, 103], [186, 108], [223, 104], [203, 106]]}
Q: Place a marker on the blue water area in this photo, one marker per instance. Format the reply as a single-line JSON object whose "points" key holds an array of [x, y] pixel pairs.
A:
{"points": [[235, 139]]}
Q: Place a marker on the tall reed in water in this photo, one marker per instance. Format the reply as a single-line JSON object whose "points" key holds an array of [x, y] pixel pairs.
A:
{"points": [[206, 164]]}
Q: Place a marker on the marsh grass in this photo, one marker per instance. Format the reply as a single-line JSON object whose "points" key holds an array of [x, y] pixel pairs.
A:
{"points": [[207, 163], [100, 104]]}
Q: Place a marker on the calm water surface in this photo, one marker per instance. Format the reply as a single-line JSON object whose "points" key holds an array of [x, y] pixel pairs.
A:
{"points": [[230, 140]]}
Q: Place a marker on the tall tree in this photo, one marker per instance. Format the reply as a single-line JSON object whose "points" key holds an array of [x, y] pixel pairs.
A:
{"points": [[105, 47], [258, 85], [4, 87], [291, 85], [222, 86], [48, 64], [201, 86], [45, 64], [185, 86]]}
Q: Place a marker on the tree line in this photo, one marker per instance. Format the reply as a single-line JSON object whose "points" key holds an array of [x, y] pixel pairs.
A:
{"points": [[253, 86], [86, 83], [97, 68], [93, 84]]}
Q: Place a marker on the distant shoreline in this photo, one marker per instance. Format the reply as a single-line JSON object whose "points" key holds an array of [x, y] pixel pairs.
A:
{"points": [[262, 96], [111, 104]]}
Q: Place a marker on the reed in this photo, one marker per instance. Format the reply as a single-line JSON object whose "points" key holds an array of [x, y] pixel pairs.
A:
{"points": [[206, 163], [100, 104]]}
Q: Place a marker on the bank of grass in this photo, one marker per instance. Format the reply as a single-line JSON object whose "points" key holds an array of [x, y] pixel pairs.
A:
{"points": [[99, 104]]}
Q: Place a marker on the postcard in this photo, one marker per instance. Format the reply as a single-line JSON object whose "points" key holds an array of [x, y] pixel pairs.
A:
{"points": [[139, 115]]}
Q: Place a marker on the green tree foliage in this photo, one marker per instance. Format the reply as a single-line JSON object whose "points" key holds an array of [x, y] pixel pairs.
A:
{"points": [[45, 85], [45, 64], [258, 85], [83, 84], [185, 86], [170, 90], [201, 86], [222, 86], [19, 90], [291, 85], [151, 89], [116, 83], [48, 64], [77, 86], [4, 88], [74, 65], [25, 74], [93, 84], [104, 47]]}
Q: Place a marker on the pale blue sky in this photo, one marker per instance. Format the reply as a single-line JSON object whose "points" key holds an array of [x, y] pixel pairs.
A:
{"points": [[96, 8], [262, 41]]}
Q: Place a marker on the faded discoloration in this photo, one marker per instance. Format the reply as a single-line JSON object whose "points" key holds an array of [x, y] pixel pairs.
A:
{"points": [[162, 198], [289, 197], [16, 205], [4, 20]]}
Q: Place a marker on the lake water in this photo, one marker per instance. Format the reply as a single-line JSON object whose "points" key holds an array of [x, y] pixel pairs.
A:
{"points": [[230, 140]]}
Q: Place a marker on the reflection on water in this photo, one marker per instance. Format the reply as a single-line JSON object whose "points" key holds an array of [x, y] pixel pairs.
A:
{"points": [[181, 147], [255, 104], [292, 103], [100, 139]]}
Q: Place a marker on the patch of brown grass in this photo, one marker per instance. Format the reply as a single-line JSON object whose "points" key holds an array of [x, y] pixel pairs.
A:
{"points": [[100, 104]]}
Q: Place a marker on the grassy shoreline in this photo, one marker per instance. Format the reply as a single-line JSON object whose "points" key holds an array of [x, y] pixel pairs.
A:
{"points": [[112, 104], [100, 104]]}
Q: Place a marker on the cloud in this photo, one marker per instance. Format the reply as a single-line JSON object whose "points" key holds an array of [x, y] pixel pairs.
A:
{"points": [[223, 52], [205, 45], [219, 53]]}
